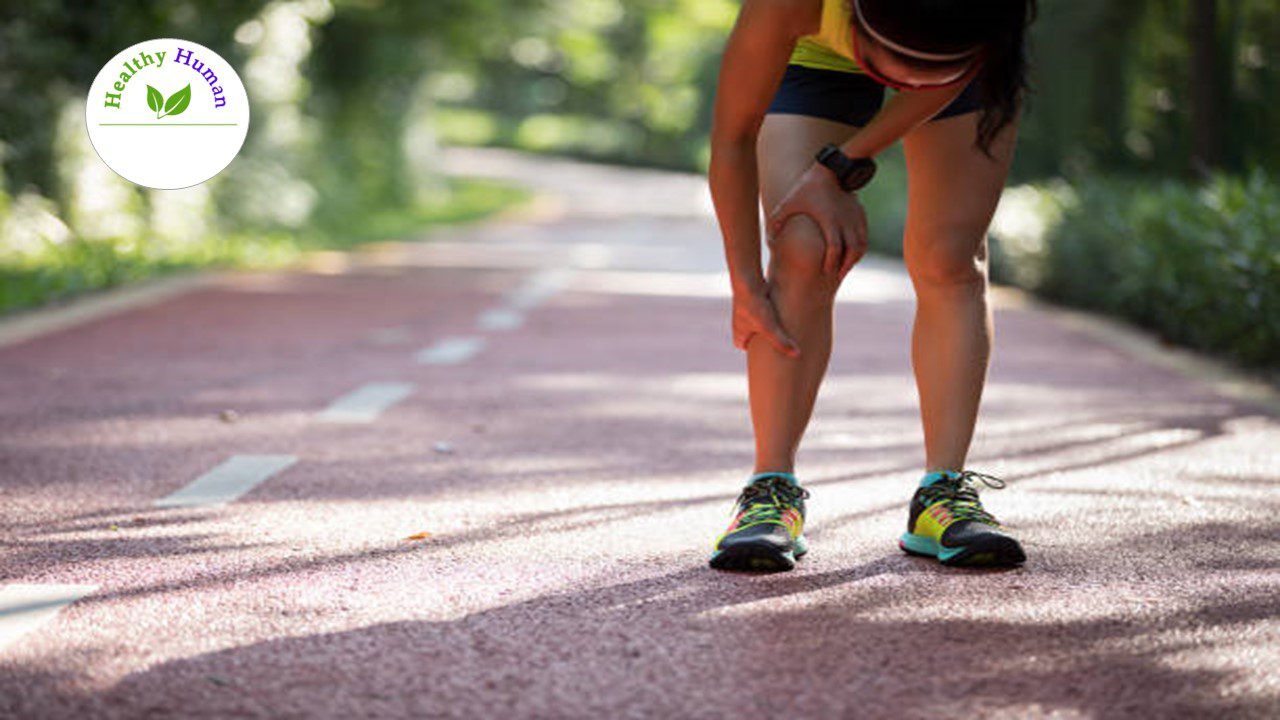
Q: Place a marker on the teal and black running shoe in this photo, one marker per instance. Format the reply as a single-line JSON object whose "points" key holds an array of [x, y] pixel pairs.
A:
{"points": [[767, 528], [948, 522]]}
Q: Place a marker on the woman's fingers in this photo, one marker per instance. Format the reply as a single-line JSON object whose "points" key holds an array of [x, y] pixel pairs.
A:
{"points": [[760, 316], [773, 333], [854, 248], [844, 232], [850, 254], [834, 236], [781, 213], [776, 216], [856, 238], [772, 329], [782, 342]]}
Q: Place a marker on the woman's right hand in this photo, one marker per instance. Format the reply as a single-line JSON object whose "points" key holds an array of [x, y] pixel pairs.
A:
{"points": [[754, 312], [839, 215]]}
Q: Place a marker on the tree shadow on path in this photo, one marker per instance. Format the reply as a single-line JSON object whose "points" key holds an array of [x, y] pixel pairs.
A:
{"points": [[878, 639]]}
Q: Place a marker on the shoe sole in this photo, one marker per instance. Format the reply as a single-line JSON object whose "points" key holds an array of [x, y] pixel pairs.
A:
{"points": [[996, 551], [758, 557]]}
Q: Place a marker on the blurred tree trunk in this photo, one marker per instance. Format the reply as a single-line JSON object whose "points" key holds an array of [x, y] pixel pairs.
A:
{"points": [[1114, 25], [1207, 94]]}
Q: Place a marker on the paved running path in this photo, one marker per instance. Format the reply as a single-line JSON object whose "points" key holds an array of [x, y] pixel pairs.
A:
{"points": [[571, 461]]}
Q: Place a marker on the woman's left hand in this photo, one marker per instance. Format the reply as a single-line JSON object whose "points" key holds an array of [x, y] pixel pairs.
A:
{"points": [[838, 213]]}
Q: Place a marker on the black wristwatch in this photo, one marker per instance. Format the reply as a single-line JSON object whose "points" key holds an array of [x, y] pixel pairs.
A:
{"points": [[852, 173]]}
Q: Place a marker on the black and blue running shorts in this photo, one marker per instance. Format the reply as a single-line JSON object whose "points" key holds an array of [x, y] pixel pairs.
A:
{"points": [[851, 98]]}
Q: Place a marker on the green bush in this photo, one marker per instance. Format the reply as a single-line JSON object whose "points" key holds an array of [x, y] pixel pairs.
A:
{"points": [[1200, 264]]}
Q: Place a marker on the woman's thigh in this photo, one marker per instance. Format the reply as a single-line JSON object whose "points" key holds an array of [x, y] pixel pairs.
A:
{"points": [[785, 148], [952, 193], [811, 108]]}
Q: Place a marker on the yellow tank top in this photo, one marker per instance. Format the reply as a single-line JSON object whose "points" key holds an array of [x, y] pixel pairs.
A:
{"points": [[831, 48]]}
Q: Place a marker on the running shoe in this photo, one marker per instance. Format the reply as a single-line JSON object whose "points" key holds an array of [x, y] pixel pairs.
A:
{"points": [[947, 522], [768, 522]]}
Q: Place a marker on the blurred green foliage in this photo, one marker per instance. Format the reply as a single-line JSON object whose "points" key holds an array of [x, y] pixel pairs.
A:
{"points": [[337, 150], [42, 272], [1116, 87], [1199, 263], [630, 81]]}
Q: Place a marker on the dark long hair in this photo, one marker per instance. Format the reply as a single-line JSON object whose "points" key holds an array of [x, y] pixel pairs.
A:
{"points": [[947, 26]]}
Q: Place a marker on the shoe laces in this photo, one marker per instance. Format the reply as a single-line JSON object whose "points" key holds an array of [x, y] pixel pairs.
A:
{"points": [[961, 495], [765, 498]]}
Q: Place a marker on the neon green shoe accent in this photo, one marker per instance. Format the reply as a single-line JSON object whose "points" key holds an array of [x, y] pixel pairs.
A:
{"points": [[767, 529], [945, 498]]}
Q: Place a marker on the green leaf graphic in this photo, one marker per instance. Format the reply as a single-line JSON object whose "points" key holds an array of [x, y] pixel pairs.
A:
{"points": [[178, 101], [154, 99]]}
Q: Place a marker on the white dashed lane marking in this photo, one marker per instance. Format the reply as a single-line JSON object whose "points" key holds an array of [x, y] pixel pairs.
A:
{"points": [[500, 319], [529, 294], [526, 296], [24, 608], [366, 403], [540, 286], [451, 351], [228, 481]]}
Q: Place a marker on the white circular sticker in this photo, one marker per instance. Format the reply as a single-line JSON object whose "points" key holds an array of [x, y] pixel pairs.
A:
{"points": [[167, 114]]}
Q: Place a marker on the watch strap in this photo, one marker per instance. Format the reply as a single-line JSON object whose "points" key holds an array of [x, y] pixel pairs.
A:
{"points": [[851, 173]]}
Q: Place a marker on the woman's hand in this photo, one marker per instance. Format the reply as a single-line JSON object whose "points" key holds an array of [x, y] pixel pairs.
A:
{"points": [[838, 213], [754, 312]]}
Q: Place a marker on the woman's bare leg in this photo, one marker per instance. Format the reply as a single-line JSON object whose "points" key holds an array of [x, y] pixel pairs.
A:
{"points": [[953, 190], [783, 390]]}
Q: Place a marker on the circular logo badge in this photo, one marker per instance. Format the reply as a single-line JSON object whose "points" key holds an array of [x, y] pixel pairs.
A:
{"points": [[167, 114]]}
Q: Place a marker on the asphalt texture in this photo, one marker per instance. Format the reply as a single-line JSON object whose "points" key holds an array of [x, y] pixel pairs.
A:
{"points": [[525, 535]]}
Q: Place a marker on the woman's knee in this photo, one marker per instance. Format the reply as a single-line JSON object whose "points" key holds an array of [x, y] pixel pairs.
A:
{"points": [[797, 252], [950, 256]]}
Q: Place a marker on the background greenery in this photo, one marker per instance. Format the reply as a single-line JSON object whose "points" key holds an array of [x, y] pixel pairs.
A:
{"points": [[1144, 184]]}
